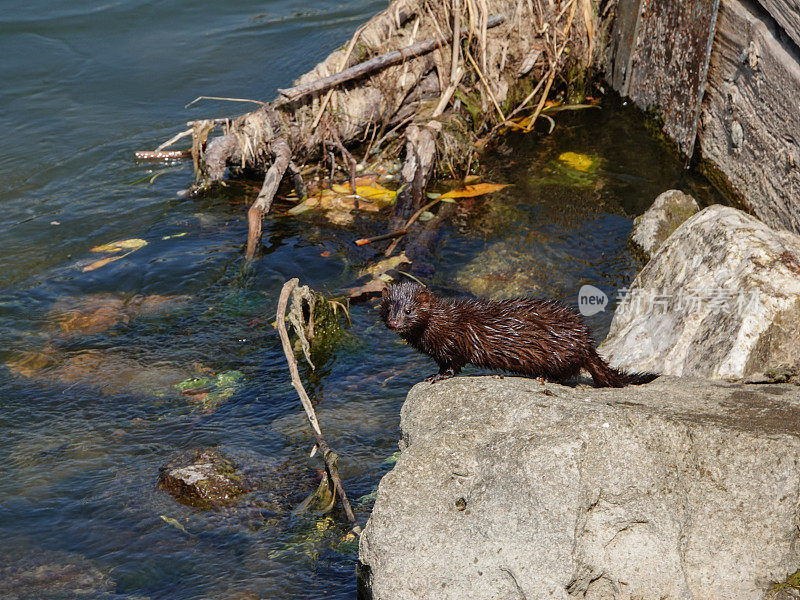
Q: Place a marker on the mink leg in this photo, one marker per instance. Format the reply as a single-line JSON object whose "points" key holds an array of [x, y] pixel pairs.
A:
{"points": [[445, 372]]}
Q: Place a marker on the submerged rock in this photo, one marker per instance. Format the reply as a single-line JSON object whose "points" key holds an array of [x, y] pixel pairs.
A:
{"points": [[720, 299], [652, 228], [508, 488], [39, 574], [204, 479]]}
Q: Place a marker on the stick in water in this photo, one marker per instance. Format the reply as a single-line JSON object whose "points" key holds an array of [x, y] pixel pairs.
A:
{"points": [[328, 455]]}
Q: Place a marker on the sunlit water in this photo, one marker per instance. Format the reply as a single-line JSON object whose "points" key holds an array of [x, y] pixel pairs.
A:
{"points": [[87, 416]]}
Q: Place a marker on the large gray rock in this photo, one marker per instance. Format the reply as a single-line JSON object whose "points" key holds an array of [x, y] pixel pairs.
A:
{"points": [[669, 210], [508, 488], [720, 299]]}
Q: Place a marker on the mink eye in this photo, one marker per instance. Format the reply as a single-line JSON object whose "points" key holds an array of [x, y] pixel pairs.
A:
{"points": [[407, 311]]}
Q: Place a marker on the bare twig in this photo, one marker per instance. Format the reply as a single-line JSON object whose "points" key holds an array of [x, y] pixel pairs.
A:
{"points": [[225, 99], [174, 139], [328, 455], [384, 137], [346, 155], [552, 76], [380, 238], [486, 85], [456, 72], [370, 66]]}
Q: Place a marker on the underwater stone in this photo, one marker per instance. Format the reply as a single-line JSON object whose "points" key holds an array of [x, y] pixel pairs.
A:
{"points": [[203, 479]]}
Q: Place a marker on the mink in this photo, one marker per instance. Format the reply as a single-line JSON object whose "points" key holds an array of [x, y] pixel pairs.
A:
{"points": [[534, 338]]}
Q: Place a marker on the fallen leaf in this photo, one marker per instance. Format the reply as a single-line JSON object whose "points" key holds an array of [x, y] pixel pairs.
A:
{"points": [[101, 263], [325, 254], [373, 286], [387, 264], [470, 191], [579, 162], [174, 523], [131, 244], [374, 192]]}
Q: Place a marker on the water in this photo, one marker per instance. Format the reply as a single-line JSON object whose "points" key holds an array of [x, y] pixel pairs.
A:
{"points": [[88, 412]]}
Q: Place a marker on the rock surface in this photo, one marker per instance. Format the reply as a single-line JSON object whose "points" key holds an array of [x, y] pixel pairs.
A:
{"points": [[658, 222], [720, 299], [508, 488], [40, 574], [203, 478]]}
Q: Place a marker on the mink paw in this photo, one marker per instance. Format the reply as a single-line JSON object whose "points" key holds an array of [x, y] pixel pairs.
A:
{"points": [[438, 377]]}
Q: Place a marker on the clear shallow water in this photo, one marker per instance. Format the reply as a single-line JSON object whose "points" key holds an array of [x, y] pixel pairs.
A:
{"points": [[89, 415]]}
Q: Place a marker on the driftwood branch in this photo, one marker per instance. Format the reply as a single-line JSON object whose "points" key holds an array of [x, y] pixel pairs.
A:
{"points": [[328, 455], [283, 156], [374, 64]]}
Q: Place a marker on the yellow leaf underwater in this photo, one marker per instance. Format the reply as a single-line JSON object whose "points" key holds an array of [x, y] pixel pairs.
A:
{"points": [[374, 192], [101, 263], [131, 244], [470, 191], [579, 162]]}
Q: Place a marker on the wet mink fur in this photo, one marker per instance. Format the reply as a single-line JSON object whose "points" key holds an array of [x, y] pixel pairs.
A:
{"points": [[535, 338]]}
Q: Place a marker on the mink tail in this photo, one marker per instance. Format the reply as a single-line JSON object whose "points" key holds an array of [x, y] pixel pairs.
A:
{"points": [[605, 376]]}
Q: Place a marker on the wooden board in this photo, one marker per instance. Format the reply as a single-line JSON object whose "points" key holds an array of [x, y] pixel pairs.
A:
{"points": [[750, 123], [787, 15], [669, 61]]}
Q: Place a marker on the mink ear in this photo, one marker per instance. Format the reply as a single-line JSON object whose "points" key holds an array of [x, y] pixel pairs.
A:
{"points": [[424, 295], [385, 291]]}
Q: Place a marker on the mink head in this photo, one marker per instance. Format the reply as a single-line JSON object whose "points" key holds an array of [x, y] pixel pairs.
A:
{"points": [[405, 306]]}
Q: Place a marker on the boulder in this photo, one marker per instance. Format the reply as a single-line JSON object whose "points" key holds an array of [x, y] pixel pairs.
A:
{"points": [[203, 478], [509, 488], [720, 299], [658, 222]]}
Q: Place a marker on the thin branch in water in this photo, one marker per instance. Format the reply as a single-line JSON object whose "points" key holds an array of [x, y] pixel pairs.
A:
{"points": [[328, 455], [380, 238], [225, 100], [161, 154]]}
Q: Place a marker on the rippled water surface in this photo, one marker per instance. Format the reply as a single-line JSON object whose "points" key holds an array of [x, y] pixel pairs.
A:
{"points": [[88, 408]]}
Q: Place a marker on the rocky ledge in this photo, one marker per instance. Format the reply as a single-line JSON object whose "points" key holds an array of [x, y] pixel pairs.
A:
{"points": [[509, 488]]}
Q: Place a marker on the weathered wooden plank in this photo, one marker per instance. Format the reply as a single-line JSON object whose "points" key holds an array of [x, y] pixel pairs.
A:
{"points": [[787, 14], [750, 122], [669, 61], [620, 44]]}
